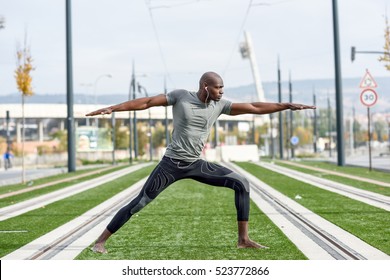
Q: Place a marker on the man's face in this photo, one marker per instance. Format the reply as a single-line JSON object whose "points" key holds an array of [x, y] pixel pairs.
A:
{"points": [[215, 89]]}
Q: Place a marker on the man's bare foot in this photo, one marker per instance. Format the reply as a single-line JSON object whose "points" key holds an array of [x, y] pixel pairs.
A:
{"points": [[250, 244], [99, 248]]}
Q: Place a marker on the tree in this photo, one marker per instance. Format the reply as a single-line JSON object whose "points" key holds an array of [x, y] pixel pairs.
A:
{"points": [[24, 85], [386, 54]]}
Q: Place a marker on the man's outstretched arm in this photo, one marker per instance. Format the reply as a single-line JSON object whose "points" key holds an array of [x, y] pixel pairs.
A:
{"points": [[261, 108], [133, 105]]}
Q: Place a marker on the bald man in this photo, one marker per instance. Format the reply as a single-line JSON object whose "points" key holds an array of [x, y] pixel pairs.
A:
{"points": [[194, 113]]}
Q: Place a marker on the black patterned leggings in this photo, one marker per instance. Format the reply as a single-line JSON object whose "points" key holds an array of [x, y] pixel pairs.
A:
{"points": [[170, 170]]}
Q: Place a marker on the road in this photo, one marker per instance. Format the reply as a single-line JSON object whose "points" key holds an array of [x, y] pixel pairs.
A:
{"points": [[14, 175]]}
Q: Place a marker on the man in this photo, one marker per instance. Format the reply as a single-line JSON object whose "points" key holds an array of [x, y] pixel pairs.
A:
{"points": [[7, 159], [194, 113]]}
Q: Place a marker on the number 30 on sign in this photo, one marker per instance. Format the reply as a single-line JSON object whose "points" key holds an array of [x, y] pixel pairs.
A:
{"points": [[368, 97]]}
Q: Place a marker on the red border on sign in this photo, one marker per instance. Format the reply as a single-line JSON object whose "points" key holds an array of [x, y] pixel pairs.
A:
{"points": [[368, 75], [373, 91]]}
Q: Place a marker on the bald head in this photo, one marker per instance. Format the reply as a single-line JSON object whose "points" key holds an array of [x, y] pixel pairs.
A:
{"points": [[210, 87], [209, 78]]}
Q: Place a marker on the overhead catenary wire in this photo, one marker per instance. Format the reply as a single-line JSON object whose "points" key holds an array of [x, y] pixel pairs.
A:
{"points": [[238, 37], [147, 2], [240, 32]]}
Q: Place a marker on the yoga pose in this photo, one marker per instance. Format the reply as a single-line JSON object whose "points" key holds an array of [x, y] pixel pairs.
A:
{"points": [[194, 113]]}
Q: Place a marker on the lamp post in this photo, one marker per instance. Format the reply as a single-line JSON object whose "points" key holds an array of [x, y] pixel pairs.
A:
{"points": [[291, 117], [95, 84], [330, 127], [166, 115], [280, 113], [96, 131], [69, 90], [133, 139], [140, 89], [314, 123], [338, 87]]}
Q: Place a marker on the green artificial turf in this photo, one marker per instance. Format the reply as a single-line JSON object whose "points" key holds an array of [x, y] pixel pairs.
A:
{"points": [[367, 222], [34, 193], [193, 221], [35, 223]]}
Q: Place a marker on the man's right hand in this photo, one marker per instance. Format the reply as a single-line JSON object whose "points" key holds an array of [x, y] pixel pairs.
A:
{"points": [[103, 111]]}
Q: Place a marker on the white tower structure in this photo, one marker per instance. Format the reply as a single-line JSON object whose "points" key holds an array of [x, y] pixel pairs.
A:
{"points": [[247, 51]]}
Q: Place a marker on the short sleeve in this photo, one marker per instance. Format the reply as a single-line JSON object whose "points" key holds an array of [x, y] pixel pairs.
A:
{"points": [[174, 96], [226, 106]]}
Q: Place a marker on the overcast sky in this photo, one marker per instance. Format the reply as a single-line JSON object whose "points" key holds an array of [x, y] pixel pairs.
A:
{"points": [[181, 39]]}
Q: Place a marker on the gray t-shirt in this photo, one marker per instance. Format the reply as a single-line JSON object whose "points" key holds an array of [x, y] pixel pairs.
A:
{"points": [[192, 121]]}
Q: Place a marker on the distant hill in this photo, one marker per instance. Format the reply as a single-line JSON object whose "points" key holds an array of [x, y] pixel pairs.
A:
{"points": [[302, 93]]}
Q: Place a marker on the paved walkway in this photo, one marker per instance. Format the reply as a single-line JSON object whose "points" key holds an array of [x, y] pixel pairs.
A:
{"points": [[14, 174], [376, 182]]}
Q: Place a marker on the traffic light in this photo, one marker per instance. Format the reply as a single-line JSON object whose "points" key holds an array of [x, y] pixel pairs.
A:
{"points": [[353, 52]]}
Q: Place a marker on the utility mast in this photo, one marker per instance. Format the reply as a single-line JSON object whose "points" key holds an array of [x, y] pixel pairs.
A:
{"points": [[247, 51]]}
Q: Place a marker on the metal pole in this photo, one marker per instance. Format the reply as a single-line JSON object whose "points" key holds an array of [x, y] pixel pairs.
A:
{"points": [[315, 124], [8, 136], [339, 94], [135, 134], [166, 115], [291, 117], [388, 137], [369, 138], [280, 113], [351, 136], [216, 136], [329, 128], [23, 140], [130, 121], [149, 123], [113, 137], [272, 136], [69, 91], [354, 128]]}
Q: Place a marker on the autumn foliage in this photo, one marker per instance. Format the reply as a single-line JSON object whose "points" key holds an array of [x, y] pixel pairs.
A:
{"points": [[23, 71], [386, 54]]}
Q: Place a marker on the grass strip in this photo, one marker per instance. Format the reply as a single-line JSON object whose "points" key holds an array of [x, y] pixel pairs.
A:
{"points": [[38, 222], [351, 182], [35, 193], [193, 221], [367, 222]]}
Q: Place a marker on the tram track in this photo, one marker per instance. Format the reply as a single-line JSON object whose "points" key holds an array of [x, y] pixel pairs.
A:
{"points": [[316, 237], [371, 198], [40, 201], [67, 241]]}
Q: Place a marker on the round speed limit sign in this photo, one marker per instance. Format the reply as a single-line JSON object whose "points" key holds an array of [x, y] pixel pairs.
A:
{"points": [[368, 97]]}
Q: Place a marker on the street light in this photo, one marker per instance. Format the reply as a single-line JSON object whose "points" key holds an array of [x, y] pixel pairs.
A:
{"points": [[133, 126], [141, 88], [95, 84], [95, 96]]}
